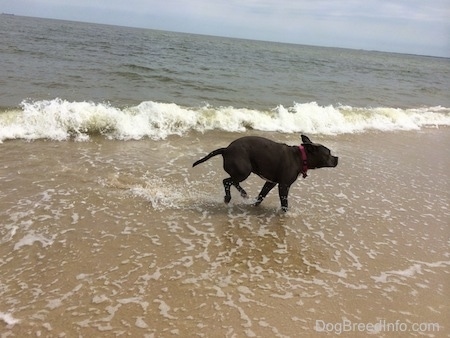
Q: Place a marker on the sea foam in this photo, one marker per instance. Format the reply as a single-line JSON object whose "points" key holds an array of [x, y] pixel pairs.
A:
{"points": [[62, 120], [8, 319]]}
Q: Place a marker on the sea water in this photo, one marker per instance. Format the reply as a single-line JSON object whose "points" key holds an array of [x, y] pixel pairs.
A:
{"points": [[62, 79]]}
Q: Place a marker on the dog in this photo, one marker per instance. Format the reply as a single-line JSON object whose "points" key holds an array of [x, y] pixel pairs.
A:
{"points": [[274, 162]]}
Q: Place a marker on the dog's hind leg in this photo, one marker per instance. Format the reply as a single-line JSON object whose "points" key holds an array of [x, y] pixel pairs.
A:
{"points": [[264, 191], [241, 190], [227, 183]]}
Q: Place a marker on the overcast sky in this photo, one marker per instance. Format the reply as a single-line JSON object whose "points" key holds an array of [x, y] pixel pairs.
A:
{"points": [[405, 26]]}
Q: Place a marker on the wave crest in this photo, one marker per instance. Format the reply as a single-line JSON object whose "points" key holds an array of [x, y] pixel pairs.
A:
{"points": [[61, 120]]}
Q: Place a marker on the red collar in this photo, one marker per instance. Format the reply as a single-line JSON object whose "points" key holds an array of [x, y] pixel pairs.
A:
{"points": [[304, 160]]}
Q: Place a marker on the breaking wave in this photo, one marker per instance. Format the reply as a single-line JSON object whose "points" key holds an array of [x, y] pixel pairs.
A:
{"points": [[61, 120]]}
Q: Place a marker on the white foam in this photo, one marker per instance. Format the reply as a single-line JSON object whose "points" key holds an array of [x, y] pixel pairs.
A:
{"points": [[60, 120], [99, 299], [141, 323], [409, 272], [356, 263], [438, 264], [245, 290], [156, 275], [164, 309], [8, 319], [287, 295], [159, 194], [30, 239]]}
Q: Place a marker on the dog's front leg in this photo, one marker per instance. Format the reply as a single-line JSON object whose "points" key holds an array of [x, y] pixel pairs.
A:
{"points": [[283, 191], [264, 191]]}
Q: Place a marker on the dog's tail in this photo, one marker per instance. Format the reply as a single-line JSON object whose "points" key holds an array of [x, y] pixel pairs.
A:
{"points": [[211, 154]]}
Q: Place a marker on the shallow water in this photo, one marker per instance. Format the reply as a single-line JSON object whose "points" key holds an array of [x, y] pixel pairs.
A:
{"points": [[125, 238]]}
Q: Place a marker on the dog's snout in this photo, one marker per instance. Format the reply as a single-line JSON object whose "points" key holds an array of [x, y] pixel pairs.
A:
{"points": [[335, 160]]}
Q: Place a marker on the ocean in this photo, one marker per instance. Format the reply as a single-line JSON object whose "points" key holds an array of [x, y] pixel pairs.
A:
{"points": [[107, 230]]}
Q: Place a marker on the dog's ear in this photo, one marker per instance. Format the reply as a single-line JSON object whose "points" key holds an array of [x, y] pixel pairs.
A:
{"points": [[305, 139], [310, 148]]}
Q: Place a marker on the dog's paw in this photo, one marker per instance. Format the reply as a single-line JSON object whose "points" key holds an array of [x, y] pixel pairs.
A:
{"points": [[244, 194]]}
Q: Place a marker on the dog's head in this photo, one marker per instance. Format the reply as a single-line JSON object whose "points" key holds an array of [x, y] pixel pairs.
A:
{"points": [[318, 156]]}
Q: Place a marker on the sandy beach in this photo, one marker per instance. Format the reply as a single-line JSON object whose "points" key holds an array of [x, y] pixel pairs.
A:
{"points": [[125, 238]]}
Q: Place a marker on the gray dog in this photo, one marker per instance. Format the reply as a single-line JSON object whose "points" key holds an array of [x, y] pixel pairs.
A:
{"points": [[276, 163]]}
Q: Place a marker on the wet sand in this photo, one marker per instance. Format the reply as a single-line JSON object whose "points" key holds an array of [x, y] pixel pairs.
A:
{"points": [[112, 238]]}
